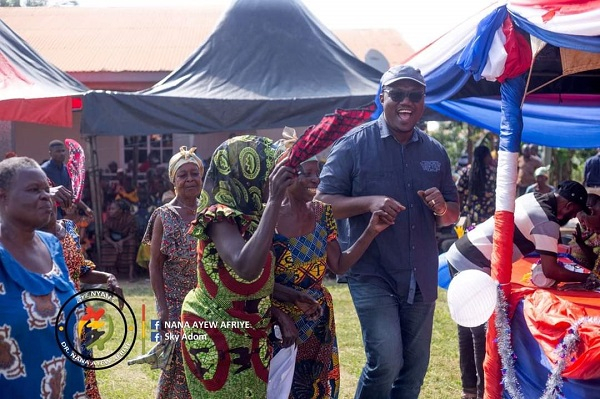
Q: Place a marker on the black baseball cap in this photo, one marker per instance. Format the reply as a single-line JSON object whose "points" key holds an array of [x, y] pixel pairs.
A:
{"points": [[574, 192], [400, 72]]}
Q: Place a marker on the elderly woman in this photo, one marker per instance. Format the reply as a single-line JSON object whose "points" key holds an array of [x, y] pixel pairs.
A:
{"points": [[226, 317], [173, 258], [305, 245], [541, 185], [34, 285], [119, 244]]}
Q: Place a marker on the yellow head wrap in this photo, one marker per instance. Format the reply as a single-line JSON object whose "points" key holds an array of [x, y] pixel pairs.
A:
{"points": [[182, 157]]}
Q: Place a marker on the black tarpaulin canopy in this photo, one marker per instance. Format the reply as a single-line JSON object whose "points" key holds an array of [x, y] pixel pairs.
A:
{"points": [[267, 64]]}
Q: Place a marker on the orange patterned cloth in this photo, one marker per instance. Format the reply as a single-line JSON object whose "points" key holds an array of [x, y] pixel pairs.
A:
{"points": [[301, 264], [78, 265]]}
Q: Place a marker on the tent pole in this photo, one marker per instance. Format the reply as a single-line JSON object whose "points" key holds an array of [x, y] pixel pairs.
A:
{"points": [[136, 161], [96, 194]]}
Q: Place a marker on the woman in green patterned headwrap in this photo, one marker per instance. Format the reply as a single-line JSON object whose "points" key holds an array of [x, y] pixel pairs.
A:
{"points": [[227, 315]]}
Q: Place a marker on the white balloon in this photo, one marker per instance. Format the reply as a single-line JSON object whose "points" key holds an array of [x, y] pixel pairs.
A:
{"points": [[472, 297]]}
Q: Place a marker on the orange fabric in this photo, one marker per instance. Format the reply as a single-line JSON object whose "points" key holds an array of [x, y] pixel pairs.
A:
{"points": [[549, 312], [549, 317], [588, 299], [491, 363], [501, 271]]}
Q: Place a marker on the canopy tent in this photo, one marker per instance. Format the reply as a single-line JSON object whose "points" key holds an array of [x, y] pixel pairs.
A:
{"points": [[31, 89], [553, 109], [550, 47], [267, 64]]}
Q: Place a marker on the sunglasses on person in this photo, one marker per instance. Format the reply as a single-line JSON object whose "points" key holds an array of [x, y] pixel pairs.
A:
{"points": [[399, 95]]}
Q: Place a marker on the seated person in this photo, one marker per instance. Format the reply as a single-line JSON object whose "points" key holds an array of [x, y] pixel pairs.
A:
{"points": [[541, 185], [585, 245], [119, 244]]}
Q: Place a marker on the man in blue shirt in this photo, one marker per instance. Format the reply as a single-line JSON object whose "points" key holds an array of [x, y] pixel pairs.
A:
{"points": [[389, 164], [591, 171], [56, 170]]}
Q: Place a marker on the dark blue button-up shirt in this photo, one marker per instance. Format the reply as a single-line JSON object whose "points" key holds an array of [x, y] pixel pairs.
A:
{"points": [[369, 161], [57, 172], [59, 176]]}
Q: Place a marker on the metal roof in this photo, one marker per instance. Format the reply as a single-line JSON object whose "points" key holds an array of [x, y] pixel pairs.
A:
{"points": [[152, 39]]}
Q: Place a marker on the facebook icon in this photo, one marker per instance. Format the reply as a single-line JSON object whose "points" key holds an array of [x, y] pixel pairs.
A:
{"points": [[155, 324], [155, 337]]}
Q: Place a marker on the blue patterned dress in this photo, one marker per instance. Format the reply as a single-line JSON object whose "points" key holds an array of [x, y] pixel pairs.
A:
{"points": [[32, 364]]}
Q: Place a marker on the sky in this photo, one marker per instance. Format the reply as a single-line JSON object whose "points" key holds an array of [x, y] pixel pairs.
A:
{"points": [[419, 22]]}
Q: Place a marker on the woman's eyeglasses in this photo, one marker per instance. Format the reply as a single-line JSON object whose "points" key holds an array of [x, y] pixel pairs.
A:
{"points": [[399, 95]]}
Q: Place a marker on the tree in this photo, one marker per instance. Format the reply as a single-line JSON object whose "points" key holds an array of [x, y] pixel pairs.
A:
{"points": [[459, 139], [36, 3], [23, 3]]}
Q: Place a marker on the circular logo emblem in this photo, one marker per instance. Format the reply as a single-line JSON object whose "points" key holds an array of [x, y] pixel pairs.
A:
{"points": [[93, 331]]}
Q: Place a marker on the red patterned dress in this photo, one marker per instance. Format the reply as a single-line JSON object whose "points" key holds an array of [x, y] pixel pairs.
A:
{"points": [[233, 316], [230, 315], [180, 277]]}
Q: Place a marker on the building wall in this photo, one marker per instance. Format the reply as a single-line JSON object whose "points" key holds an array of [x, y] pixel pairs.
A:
{"points": [[30, 139]]}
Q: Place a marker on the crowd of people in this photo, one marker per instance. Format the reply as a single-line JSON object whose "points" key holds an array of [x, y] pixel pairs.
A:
{"points": [[245, 245]]}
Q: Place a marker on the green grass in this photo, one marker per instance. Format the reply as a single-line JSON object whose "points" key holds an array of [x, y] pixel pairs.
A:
{"points": [[442, 380]]}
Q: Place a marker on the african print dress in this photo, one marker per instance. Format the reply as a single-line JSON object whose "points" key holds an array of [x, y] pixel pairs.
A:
{"points": [[301, 264], [227, 354], [477, 208], [226, 318], [78, 266], [112, 261], [32, 364], [592, 240], [180, 277]]}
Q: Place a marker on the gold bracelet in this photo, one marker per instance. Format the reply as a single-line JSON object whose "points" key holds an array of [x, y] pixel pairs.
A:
{"points": [[443, 213]]}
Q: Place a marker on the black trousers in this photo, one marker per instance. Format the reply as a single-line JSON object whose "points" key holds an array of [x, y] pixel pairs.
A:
{"points": [[471, 351], [471, 347]]}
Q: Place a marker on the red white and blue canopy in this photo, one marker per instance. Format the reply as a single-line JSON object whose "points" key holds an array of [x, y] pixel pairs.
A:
{"points": [[464, 68], [528, 70]]}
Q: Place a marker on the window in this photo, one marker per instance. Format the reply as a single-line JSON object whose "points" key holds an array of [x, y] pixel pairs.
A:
{"points": [[157, 147]]}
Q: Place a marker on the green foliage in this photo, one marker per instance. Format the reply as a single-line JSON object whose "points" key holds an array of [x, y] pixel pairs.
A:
{"points": [[36, 3], [10, 3], [453, 136], [459, 139], [28, 3], [568, 164]]}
